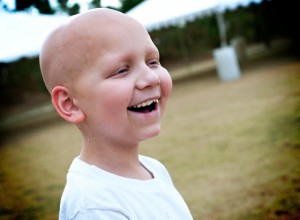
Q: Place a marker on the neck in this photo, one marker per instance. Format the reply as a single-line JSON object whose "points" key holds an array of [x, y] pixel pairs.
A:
{"points": [[116, 159]]}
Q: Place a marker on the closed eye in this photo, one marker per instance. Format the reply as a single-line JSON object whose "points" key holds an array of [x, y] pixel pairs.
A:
{"points": [[124, 70], [153, 63], [121, 71]]}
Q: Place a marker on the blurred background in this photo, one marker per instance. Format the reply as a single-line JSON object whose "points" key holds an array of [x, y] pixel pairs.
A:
{"points": [[265, 25], [231, 146]]}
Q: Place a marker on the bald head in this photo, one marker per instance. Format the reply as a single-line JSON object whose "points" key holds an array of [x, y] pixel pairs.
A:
{"points": [[70, 49]]}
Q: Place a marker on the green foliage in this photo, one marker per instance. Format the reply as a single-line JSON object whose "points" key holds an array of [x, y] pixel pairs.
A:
{"points": [[95, 4], [42, 5], [194, 39], [257, 23], [73, 10], [20, 79], [129, 4], [241, 23], [63, 4]]}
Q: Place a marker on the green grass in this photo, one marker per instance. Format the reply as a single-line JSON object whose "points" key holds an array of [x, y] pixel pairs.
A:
{"points": [[232, 149]]}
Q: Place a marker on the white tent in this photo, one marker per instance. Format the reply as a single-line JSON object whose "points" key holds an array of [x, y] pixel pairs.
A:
{"points": [[155, 14], [22, 34]]}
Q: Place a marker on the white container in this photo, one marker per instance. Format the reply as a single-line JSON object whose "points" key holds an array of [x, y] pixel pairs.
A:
{"points": [[227, 63]]}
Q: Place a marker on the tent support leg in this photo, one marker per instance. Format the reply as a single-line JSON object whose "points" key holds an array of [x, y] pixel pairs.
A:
{"points": [[222, 28]]}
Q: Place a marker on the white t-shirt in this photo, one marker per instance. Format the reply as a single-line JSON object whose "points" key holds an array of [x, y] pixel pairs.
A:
{"points": [[94, 194]]}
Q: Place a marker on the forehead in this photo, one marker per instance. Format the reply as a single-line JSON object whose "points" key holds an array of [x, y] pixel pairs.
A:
{"points": [[104, 25], [98, 33]]}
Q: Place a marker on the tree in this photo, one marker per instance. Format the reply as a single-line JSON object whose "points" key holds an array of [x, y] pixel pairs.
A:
{"points": [[42, 5], [129, 4], [3, 6], [95, 4], [73, 10]]}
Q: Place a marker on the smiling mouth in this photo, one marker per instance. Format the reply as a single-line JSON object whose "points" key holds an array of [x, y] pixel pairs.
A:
{"points": [[144, 107]]}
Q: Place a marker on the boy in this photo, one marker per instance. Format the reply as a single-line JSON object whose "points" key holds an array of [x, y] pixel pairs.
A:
{"points": [[103, 72]]}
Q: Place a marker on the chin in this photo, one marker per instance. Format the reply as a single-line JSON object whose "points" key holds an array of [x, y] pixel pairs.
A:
{"points": [[150, 134]]}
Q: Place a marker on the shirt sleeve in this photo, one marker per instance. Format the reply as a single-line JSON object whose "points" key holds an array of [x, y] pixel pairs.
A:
{"points": [[100, 214]]}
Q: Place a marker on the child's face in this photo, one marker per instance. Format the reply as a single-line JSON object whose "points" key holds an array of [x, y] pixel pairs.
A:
{"points": [[125, 74]]}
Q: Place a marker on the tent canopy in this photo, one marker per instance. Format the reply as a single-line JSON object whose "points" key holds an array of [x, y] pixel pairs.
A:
{"points": [[155, 14], [22, 34]]}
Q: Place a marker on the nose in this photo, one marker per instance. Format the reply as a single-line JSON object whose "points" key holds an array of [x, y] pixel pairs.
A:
{"points": [[147, 77]]}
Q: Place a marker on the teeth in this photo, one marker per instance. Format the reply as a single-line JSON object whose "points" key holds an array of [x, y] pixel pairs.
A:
{"points": [[144, 104]]}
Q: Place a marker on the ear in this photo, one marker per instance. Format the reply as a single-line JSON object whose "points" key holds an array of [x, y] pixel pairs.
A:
{"points": [[65, 106]]}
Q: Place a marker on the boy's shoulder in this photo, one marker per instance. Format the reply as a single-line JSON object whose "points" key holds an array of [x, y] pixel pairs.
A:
{"points": [[89, 187], [82, 174], [145, 160], [83, 177], [83, 191]]}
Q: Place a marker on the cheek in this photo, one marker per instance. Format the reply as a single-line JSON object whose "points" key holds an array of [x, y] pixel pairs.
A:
{"points": [[116, 96], [166, 83], [104, 99], [166, 88]]}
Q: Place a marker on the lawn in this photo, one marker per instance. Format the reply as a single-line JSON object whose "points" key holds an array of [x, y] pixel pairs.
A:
{"points": [[232, 149]]}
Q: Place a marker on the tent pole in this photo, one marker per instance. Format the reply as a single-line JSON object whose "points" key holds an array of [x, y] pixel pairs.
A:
{"points": [[222, 28]]}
